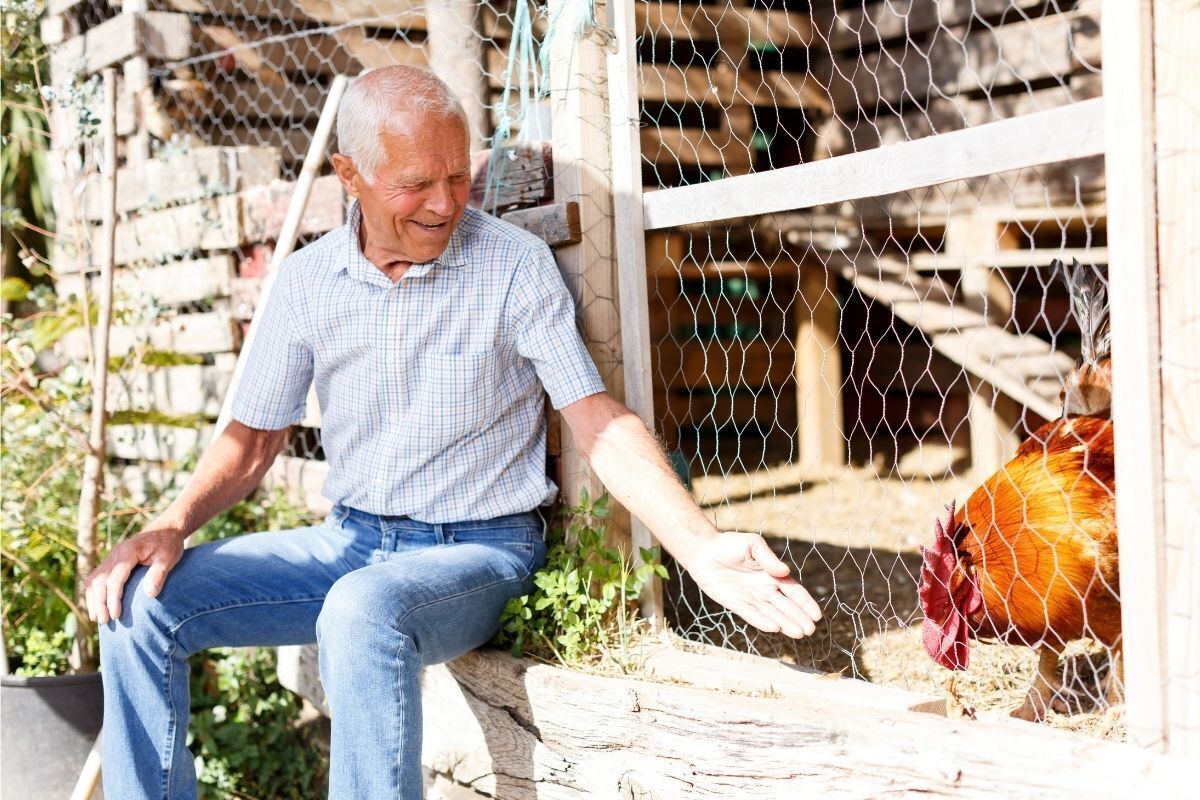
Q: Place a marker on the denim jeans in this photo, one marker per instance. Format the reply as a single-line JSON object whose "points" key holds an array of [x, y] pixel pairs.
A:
{"points": [[383, 596]]}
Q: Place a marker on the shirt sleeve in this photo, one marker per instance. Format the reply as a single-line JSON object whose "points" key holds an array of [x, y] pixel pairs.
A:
{"points": [[543, 320], [274, 386]]}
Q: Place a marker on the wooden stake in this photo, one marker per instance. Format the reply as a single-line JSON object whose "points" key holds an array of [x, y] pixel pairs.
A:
{"points": [[93, 465]]}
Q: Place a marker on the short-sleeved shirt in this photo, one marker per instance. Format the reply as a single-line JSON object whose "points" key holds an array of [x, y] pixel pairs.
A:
{"points": [[431, 388]]}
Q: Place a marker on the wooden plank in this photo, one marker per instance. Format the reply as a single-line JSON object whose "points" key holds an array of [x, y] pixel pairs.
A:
{"points": [[200, 333], [1049, 47], [171, 284], [187, 176], [1039, 193], [1136, 365], [771, 407], [151, 34], [1022, 257], [257, 50], [582, 154], [513, 175], [456, 52], [648, 740], [212, 224], [695, 364], [630, 243], [855, 27], [1073, 131], [725, 86], [168, 445], [853, 133], [781, 27], [369, 13], [265, 207], [696, 146], [1177, 119], [1023, 367], [225, 222], [558, 224], [177, 391], [818, 370]]}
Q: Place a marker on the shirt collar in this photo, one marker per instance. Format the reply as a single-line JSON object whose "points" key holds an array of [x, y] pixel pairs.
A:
{"points": [[358, 266]]}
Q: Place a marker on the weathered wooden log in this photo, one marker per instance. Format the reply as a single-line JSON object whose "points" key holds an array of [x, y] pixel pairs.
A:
{"points": [[721, 724]]}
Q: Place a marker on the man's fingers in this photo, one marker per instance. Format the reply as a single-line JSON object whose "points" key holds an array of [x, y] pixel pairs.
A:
{"points": [[156, 576], [795, 622], [93, 593], [800, 596], [115, 588], [767, 559], [758, 617]]}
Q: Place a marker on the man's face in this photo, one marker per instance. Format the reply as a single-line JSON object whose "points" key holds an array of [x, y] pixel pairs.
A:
{"points": [[419, 193]]}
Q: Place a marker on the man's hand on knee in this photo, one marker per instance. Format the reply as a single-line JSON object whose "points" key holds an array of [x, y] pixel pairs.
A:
{"points": [[157, 547]]}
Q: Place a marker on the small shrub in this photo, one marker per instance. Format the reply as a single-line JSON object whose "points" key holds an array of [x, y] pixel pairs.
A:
{"points": [[584, 607]]}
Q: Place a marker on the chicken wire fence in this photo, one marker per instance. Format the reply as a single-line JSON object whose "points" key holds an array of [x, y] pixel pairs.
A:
{"points": [[831, 376]]}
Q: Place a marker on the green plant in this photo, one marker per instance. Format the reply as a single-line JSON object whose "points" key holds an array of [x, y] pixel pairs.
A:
{"points": [[244, 733], [25, 210], [584, 607]]}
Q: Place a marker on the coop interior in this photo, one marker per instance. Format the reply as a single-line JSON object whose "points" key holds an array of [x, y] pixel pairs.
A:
{"points": [[831, 377]]}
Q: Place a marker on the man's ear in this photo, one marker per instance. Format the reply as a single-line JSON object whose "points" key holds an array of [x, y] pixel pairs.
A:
{"points": [[344, 167]]}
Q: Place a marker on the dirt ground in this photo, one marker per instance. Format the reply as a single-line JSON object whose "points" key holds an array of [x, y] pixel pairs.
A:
{"points": [[854, 537]]}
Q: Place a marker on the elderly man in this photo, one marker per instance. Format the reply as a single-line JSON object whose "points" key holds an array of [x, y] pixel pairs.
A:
{"points": [[431, 331]]}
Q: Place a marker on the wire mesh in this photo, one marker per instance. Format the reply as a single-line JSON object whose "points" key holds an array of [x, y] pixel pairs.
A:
{"points": [[831, 377]]}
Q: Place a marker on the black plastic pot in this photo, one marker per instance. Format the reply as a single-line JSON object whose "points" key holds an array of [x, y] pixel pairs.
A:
{"points": [[49, 727]]}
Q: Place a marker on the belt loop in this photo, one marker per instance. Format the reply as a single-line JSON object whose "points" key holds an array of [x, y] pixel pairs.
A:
{"points": [[442, 535]]}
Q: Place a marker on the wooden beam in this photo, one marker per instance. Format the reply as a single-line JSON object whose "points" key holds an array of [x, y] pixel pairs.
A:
{"points": [[965, 59], [188, 176], [579, 109], [818, 365], [175, 283], [1177, 163], [151, 34], [557, 224], [456, 55], [177, 391], [504, 728], [199, 333], [1136, 364], [1059, 134]]}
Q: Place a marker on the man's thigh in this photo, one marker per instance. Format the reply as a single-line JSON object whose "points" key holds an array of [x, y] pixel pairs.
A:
{"points": [[256, 589], [446, 598]]}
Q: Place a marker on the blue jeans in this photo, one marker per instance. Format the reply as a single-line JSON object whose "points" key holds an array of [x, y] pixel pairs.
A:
{"points": [[383, 596]]}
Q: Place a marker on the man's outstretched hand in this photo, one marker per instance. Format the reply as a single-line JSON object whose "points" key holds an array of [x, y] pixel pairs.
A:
{"points": [[740, 572]]}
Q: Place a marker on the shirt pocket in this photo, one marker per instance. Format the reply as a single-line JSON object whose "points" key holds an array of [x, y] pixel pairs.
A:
{"points": [[458, 396]]}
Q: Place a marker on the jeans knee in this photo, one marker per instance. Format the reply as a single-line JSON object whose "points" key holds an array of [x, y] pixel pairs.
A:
{"points": [[360, 612], [141, 617]]}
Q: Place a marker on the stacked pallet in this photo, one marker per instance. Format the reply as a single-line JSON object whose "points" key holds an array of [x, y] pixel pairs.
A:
{"points": [[254, 72], [188, 220], [715, 85]]}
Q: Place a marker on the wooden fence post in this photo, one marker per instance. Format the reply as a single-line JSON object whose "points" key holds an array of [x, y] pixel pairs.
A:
{"points": [[625, 113], [582, 172], [1177, 161], [1137, 359]]}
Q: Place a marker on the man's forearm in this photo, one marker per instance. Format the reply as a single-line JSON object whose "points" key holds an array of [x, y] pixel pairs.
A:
{"points": [[230, 469], [631, 464]]}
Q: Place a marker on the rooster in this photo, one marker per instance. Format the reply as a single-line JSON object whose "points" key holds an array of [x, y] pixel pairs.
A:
{"points": [[1031, 557]]}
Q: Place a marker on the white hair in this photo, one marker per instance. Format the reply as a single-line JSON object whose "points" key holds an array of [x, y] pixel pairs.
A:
{"points": [[372, 101]]}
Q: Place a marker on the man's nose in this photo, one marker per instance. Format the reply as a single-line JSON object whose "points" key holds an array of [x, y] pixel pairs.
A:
{"points": [[440, 200]]}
